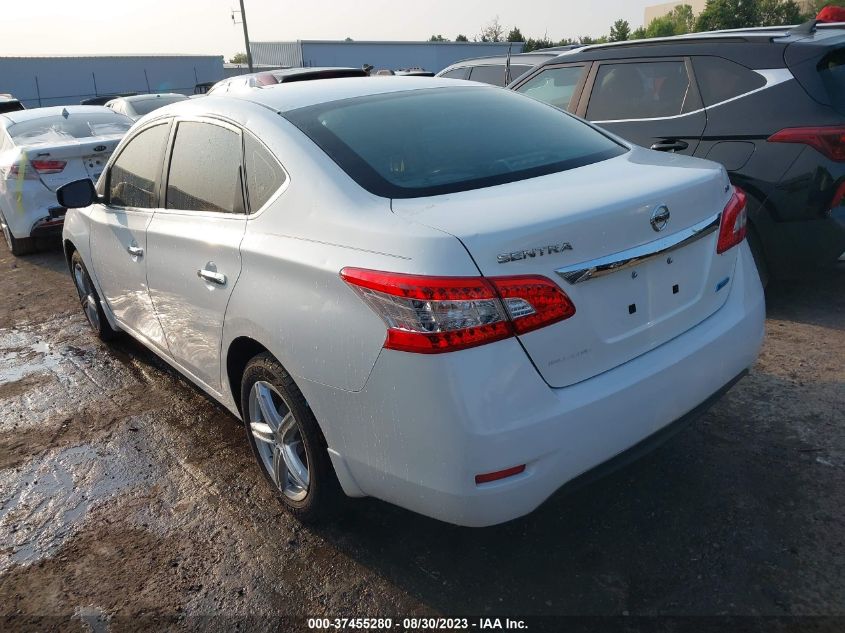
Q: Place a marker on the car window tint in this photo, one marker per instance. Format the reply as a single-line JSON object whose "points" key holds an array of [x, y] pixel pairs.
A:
{"points": [[133, 176], [720, 79], [204, 169], [264, 175], [458, 73], [518, 70], [553, 85], [401, 145], [145, 106], [832, 71], [493, 75], [639, 91]]}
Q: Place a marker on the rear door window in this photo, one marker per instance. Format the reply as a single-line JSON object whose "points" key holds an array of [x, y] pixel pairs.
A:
{"points": [[134, 176], [720, 79], [264, 175], [493, 75], [458, 73], [554, 86], [205, 167], [639, 90]]}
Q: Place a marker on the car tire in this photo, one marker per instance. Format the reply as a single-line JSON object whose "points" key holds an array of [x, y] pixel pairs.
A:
{"points": [[18, 245], [287, 441], [91, 304]]}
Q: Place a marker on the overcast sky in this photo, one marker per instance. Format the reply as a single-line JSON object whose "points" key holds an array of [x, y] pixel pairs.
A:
{"points": [[76, 27]]}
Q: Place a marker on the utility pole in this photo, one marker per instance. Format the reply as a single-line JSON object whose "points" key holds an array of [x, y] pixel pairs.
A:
{"points": [[246, 33]]}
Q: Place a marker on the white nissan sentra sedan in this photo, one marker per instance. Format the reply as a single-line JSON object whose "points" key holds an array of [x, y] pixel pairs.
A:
{"points": [[41, 149], [441, 294]]}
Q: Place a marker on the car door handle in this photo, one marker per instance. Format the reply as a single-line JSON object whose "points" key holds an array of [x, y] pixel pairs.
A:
{"points": [[135, 251], [212, 276], [670, 145]]}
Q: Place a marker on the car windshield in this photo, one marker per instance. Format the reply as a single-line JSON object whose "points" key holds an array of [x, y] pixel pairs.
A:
{"points": [[145, 106], [442, 140], [59, 129]]}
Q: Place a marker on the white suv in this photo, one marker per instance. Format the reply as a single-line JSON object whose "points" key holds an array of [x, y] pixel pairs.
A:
{"points": [[442, 294]]}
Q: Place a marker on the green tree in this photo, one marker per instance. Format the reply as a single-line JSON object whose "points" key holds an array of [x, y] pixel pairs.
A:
{"points": [[461, 38], [437, 38], [779, 12], [815, 6], [515, 35], [728, 14], [664, 26], [678, 21], [586, 40], [620, 31], [238, 58], [638, 34]]}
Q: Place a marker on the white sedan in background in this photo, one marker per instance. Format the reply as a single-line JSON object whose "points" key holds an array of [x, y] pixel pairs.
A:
{"points": [[442, 294], [137, 106], [41, 149]]}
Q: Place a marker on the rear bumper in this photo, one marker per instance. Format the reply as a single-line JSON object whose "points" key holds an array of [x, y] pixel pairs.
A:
{"points": [[30, 209], [423, 427]]}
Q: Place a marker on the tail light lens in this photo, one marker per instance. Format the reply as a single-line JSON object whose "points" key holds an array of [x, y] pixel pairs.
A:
{"points": [[20, 170], [830, 141], [734, 219], [838, 197], [48, 166], [431, 315]]}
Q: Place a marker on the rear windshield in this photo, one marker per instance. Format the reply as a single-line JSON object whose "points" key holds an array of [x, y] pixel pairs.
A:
{"points": [[59, 129], [441, 140], [145, 106], [832, 71]]}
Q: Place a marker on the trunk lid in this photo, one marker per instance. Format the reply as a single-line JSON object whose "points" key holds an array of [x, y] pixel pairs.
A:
{"points": [[85, 158], [569, 219]]}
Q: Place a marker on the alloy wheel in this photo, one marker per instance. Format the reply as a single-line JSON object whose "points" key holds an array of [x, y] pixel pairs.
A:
{"points": [[278, 439]]}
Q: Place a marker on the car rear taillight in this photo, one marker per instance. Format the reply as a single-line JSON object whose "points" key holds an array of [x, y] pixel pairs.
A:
{"points": [[734, 220], [839, 196], [48, 166], [20, 170], [431, 315], [829, 141]]}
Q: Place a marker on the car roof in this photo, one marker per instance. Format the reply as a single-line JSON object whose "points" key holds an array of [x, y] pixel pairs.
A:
{"points": [[39, 113], [300, 94], [760, 47], [493, 59]]}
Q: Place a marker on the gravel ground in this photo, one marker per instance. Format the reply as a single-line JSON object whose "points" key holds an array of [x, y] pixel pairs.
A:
{"points": [[129, 498]]}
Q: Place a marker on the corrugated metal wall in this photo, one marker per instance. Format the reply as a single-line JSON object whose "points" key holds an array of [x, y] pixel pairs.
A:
{"points": [[286, 54], [433, 56], [47, 81]]}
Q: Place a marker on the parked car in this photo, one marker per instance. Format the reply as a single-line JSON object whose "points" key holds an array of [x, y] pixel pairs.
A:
{"points": [[768, 104], [455, 314], [416, 71], [9, 104], [137, 106], [286, 75], [104, 99], [41, 149], [494, 70]]}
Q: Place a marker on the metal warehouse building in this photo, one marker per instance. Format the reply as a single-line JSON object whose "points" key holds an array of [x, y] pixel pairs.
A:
{"points": [[46, 81], [433, 56]]}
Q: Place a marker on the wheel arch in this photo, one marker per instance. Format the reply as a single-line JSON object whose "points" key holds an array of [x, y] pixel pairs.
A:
{"points": [[241, 350]]}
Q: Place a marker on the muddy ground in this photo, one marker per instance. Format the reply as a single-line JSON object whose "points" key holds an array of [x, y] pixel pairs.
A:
{"points": [[127, 497]]}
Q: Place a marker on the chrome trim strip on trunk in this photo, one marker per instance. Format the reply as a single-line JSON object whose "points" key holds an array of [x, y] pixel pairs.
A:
{"points": [[601, 266]]}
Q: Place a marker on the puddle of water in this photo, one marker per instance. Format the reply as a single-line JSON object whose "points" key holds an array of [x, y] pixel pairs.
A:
{"points": [[46, 501]]}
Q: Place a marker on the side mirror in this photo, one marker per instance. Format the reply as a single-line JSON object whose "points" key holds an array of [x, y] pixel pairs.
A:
{"points": [[77, 194]]}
